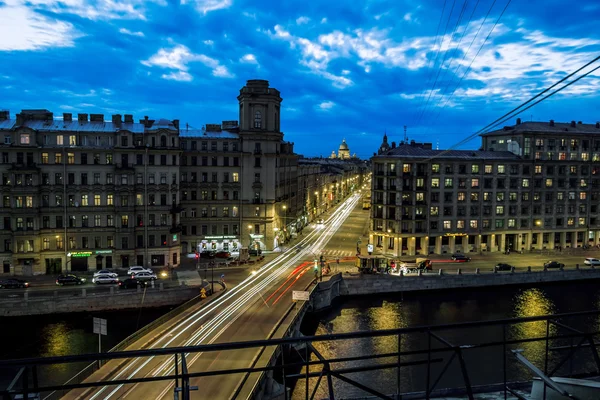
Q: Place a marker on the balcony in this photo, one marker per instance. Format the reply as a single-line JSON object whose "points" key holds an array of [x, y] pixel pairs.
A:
{"points": [[177, 208], [124, 167], [23, 167], [257, 201]]}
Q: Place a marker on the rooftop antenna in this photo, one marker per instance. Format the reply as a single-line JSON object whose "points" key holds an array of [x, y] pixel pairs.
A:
{"points": [[187, 127], [405, 136], [437, 144]]}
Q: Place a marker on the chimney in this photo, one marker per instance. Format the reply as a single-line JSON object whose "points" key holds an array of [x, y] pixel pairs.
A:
{"points": [[176, 124], [4, 115], [551, 122], [96, 117], [597, 125], [20, 119], [116, 119], [67, 117], [579, 122], [518, 121], [129, 118], [573, 124], [393, 145], [82, 117]]}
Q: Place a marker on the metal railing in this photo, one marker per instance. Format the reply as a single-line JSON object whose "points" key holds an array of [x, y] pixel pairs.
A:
{"points": [[300, 360]]}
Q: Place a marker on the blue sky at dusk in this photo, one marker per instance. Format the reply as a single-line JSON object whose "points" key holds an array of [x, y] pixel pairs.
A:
{"points": [[345, 69]]}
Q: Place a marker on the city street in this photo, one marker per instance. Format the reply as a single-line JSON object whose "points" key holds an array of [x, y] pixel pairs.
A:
{"points": [[250, 310]]}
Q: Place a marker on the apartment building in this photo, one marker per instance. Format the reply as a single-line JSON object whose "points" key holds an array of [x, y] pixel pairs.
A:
{"points": [[533, 185]]}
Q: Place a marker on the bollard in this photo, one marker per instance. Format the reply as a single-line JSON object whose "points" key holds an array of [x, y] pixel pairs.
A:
{"points": [[528, 269], [161, 286], [512, 270], [440, 272], [477, 271], [545, 268], [420, 273], [152, 284], [83, 292], [458, 272], [139, 288], [577, 266], [26, 296], [112, 290]]}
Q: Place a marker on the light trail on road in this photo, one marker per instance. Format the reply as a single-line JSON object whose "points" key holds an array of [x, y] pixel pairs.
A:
{"points": [[241, 298]]}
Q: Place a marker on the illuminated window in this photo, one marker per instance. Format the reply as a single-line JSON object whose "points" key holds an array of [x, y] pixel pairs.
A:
{"points": [[25, 138], [435, 168], [435, 182], [109, 199], [473, 223], [538, 169], [474, 196], [475, 183], [549, 182], [235, 177], [512, 223], [434, 210], [448, 182], [460, 224], [525, 182], [488, 169], [475, 169], [501, 169], [582, 195], [406, 168], [461, 196], [447, 224], [499, 210]]}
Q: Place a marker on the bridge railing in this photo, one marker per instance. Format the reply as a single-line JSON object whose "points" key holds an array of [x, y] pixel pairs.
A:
{"points": [[307, 363]]}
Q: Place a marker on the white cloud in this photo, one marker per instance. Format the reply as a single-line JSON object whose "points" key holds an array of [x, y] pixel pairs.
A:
{"points": [[302, 20], [326, 105], [324, 20], [208, 42], [206, 6], [126, 31], [99, 10], [181, 76], [407, 17], [249, 15], [24, 29], [249, 59], [179, 57]]}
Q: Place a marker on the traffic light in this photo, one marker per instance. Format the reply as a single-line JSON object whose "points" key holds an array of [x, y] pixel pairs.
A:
{"points": [[316, 265], [197, 255]]}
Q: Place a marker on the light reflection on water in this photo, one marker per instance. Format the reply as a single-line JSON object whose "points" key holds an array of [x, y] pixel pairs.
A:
{"points": [[485, 366]]}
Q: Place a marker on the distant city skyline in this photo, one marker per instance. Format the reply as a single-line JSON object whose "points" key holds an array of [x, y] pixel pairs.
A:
{"points": [[343, 71]]}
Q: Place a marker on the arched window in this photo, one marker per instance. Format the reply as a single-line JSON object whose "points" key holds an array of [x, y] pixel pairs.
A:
{"points": [[163, 141], [257, 120]]}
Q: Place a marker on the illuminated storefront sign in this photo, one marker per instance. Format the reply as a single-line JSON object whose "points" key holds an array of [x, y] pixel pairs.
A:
{"points": [[103, 251], [81, 253], [455, 234]]}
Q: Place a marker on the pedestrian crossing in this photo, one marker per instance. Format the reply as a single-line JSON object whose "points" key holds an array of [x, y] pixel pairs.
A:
{"points": [[337, 253]]}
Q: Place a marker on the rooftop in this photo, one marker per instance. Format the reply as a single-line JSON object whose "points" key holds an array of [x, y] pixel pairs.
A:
{"points": [[408, 151], [573, 127]]}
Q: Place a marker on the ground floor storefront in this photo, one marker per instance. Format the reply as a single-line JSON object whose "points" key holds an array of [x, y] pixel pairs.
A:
{"points": [[400, 245]]}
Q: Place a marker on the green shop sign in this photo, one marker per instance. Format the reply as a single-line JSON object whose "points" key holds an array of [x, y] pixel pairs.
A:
{"points": [[81, 253]]}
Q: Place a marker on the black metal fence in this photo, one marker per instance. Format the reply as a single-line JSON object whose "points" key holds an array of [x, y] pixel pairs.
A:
{"points": [[522, 348]]}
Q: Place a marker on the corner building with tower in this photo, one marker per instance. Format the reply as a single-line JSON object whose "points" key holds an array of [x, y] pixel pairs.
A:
{"points": [[531, 186], [84, 193]]}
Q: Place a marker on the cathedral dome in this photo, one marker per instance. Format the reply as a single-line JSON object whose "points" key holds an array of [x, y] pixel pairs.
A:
{"points": [[343, 146]]}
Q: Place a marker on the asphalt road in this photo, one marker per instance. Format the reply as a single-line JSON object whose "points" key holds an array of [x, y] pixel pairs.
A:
{"points": [[250, 310]]}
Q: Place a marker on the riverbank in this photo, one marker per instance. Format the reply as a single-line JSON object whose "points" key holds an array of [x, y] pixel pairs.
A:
{"points": [[353, 285]]}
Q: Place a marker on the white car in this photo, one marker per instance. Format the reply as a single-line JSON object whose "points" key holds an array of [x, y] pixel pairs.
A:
{"points": [[105, 272], [105, 278], [145, 276], [591, 261], [136, 269]]}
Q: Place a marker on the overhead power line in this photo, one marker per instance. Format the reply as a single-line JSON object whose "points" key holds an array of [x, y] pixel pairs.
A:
{"points": [[519, 109]]}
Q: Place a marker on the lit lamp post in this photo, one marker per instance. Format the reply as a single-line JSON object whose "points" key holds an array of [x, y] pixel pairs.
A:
{"points": [[250, 229]]}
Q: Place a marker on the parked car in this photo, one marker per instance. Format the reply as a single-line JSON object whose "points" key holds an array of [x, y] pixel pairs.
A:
{"points": [[130, 283], [460, 258], [254, 252], [207, 254], [136, 269], [13, 283], [503, 267], [105, 272], [591, 261], [554, 264], [223, 254], [145, 276], [105, 278], [69, 279]]}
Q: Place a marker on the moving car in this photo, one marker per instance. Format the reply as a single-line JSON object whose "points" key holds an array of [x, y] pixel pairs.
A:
{"points": [[105, 272], [460, 258], [554, 264], [130, 283], [591, 261], [503, 267], [207, 254], [105, 278], [254, 252], [13, 283], [320, 221], [222, 254], [414, 266], [136, 269], [69, 279], [145, 276]]}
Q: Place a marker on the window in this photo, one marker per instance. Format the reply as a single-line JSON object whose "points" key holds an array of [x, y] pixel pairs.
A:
{"points": [[25, 138], [501, 169], [71, 158], [475, 183], [124, 221], [435, 168], [460, 224], [525, 182], [109, 199], [235, 177], [435, 182], [434, 210], [487, 169], [257, 120], [57, 158], [447, 224], [448, 182], [473, 223], [85, 200]]}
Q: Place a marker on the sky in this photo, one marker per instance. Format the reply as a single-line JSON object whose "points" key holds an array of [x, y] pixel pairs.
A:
{"points": [[346, 70]]}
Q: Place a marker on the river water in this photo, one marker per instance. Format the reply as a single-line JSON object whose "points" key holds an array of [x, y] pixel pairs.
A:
{"points": [[65, 334], [484, 366]]}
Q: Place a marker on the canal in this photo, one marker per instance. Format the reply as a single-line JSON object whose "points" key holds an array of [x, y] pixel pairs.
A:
{"points": [[445, 307], [65, 334]]}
